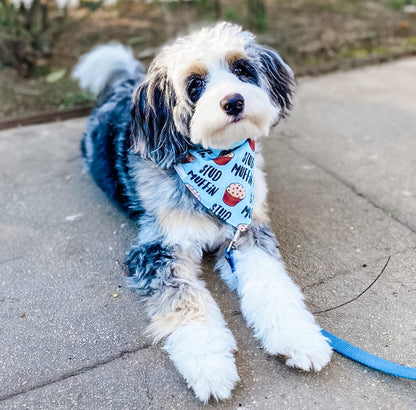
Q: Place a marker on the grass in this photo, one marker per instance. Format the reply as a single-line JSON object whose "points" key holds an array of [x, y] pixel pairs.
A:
{"points": [[410, 44], [74, 98], [399, 4]]}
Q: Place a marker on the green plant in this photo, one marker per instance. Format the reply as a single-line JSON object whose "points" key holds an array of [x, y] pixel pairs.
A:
{"points": [[257, 15], [26, 34], [211, 9], [230, 14], [92, 5], [80, 97], [399, 4], [410, 44]]}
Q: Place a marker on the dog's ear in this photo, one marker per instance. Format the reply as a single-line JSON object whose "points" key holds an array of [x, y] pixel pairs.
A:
{"points": [[153, 131], [279, 77]]}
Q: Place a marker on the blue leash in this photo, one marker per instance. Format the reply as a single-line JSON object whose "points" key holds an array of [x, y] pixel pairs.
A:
{"points": [[369, 360], [347, 349]]}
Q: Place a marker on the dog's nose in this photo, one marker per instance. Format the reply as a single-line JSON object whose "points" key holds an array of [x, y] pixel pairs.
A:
{"points": [[232, 104]]}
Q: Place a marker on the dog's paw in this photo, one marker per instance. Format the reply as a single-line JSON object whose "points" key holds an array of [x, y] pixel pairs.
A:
{"points": [[305, 348], [215, 375], [314, 356], [203, 354]]}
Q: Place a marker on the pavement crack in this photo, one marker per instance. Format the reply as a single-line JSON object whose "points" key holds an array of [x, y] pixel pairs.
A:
{"points": [[146, 385], [10, 259], [350, 186], [76, 372], [75, 157]]}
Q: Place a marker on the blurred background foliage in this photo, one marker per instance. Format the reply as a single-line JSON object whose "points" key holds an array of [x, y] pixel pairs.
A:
{"points": [[41, 40]]}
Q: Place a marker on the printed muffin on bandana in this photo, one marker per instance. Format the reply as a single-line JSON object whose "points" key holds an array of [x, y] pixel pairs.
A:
{"points": [[233, 194], [242, 227], [189, 158], [224, 158], [194, 193]]}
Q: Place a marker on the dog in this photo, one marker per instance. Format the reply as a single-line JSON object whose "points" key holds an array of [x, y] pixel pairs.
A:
{"points": [[210, 89]]}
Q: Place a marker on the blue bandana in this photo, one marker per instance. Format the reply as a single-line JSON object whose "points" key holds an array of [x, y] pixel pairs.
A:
{"points": [[222, 181]]}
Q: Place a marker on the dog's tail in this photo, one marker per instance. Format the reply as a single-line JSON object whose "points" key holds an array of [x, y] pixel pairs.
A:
{"points": [[106, 64]]}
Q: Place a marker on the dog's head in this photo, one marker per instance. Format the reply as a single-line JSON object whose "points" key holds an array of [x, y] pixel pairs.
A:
{"points": [[213, 88]]}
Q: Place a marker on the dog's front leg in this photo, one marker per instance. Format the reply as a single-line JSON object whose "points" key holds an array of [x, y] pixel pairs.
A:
{"points": [[183, 312], [272, 303]]}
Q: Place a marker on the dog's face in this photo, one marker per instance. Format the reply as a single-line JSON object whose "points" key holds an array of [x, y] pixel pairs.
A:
{"points": [[212, 88]]}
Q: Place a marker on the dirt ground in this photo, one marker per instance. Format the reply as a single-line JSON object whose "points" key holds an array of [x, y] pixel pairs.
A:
{"points": [[314, 36]]}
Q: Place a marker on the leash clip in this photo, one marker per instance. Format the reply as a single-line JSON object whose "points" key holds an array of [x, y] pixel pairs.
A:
{"points": [[229, 250], [231, 245]]}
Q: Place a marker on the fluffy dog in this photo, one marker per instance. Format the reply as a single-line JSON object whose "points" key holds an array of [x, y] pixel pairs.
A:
{"points": [[210, 89]]}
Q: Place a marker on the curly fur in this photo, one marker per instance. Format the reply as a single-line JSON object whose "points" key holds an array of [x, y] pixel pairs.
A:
{"points": [[142, 126]]}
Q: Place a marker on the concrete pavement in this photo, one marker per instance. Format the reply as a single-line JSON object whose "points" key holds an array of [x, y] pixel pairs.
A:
{"points": [[341, 173]]}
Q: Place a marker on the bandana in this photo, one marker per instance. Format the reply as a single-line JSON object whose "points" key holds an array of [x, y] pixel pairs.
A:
{"points": [[222, 181]]}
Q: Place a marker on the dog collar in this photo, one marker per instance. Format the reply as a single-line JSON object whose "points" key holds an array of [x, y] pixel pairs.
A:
{"points": [[222, 180]]}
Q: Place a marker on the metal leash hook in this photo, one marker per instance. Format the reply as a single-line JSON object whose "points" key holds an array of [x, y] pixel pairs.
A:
{"points": [[229, 250]]}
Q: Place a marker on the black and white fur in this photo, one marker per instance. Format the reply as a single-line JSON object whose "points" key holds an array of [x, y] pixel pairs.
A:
{"points": [[142, 126]]}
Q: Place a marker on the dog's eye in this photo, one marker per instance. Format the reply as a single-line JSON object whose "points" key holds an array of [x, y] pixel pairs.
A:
{"points": [[238, 71], [244, 71], [195, 88]]}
